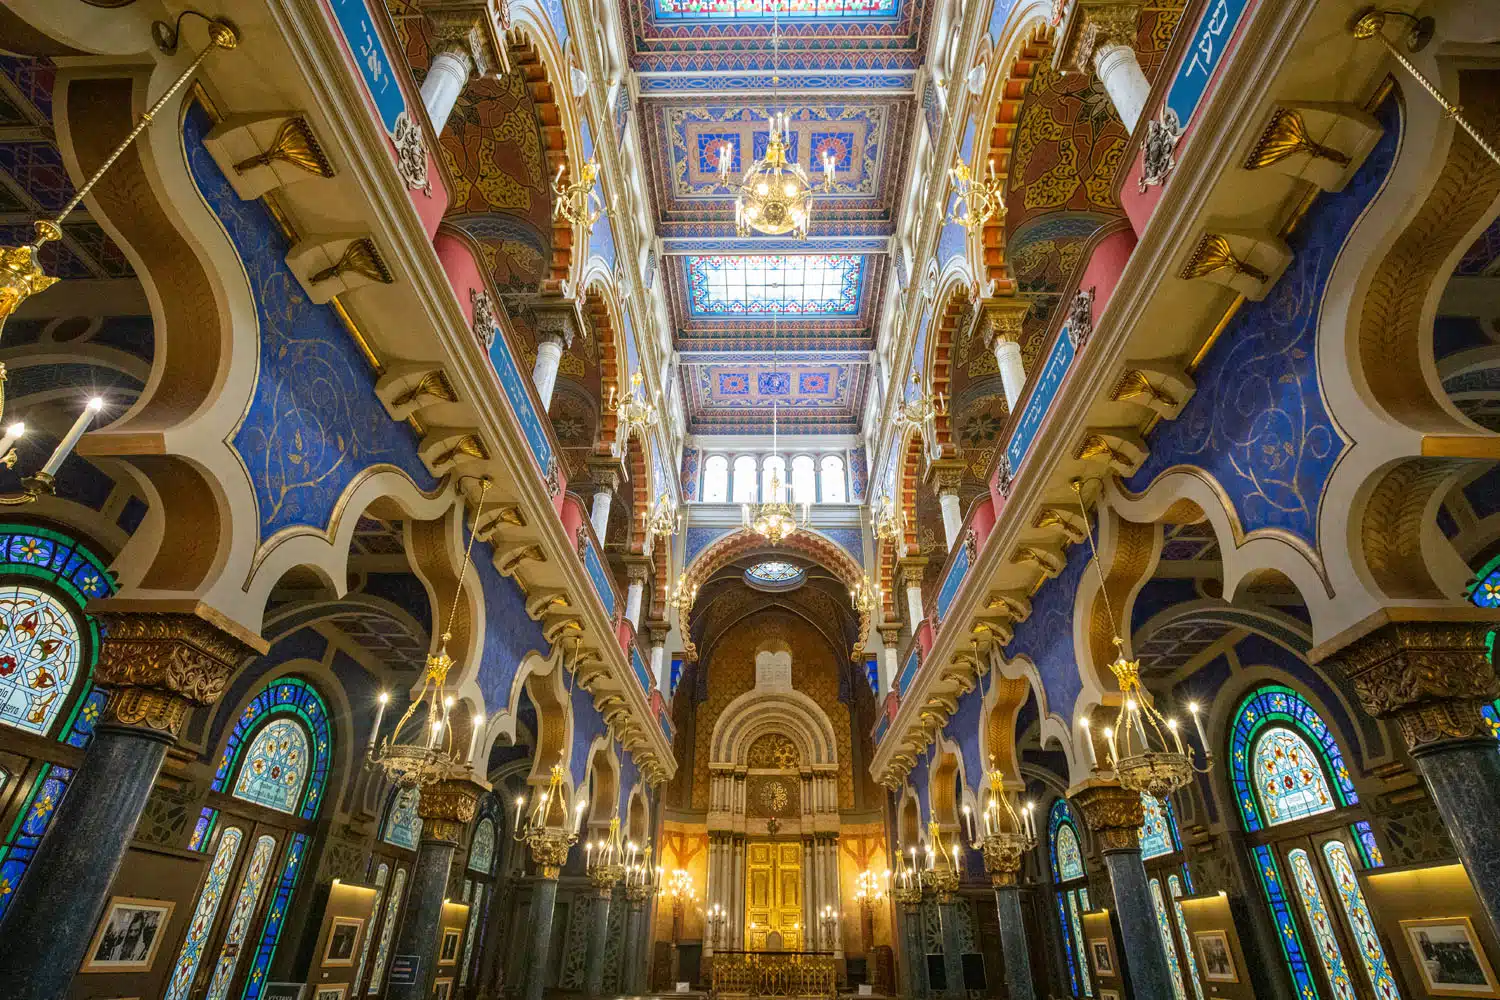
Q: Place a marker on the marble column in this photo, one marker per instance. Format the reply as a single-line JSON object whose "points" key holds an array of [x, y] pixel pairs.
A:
{"points": [[157, 666], [911, 581], [1012, 370], [463, 50], [599, 513], [1432, 678], [1002, 859], [593, 976], [543, 903], [633, 962], [548, 358], [891, 637], [661, 670], [1115, 815], [1101, 36], [913, 955], [636, 572], [947, 475], [446, 808], [953, 962], [556, 324]]}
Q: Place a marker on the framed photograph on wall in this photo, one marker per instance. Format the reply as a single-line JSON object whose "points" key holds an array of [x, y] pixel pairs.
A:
{"points": [[1450, 958], [129, 936], [448, 954], [1215, 957], [343, 935], [331, 992], [442, 989], [1102, 957]]}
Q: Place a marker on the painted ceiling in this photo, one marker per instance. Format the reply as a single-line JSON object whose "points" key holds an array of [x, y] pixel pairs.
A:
{"points": [[762, 320]]}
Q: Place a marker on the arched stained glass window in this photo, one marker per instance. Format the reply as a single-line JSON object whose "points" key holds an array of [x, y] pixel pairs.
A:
{"points": [[204, 913], [382, 877], [387, 931], [804, 480], [1486, 590], [403, 827], [1322, 924], [1159, 904], [41, 652], [289, 700], [1491, 713], [832, 475], [746, 482], [482, 848], [239, 918], [1158, 830], [1284, 761], [1174, 889], [1353, 901], [275, 767], [1062, 833], [716, 479]]}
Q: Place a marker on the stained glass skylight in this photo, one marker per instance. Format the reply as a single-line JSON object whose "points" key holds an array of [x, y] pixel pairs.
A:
{"points": [[745, 285], [755, 10], [775, 574]]}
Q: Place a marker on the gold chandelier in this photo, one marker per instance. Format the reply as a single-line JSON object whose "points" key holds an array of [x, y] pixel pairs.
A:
{"points": [[773, 519], [1004, 833], [885, 520], [633, 412], [412, 757], [775, 194], [1146, 750], [579, 201], [981, 200], [21, 274], [919, 409], [661, 520]]}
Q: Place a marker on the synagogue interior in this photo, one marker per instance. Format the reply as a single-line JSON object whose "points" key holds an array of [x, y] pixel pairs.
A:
{"points": [[737, 499]]}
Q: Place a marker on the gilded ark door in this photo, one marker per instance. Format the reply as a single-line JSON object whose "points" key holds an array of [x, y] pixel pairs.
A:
{"points": [[773, 893]]}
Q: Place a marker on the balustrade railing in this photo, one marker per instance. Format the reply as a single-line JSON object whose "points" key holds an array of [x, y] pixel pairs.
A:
{"points": [[774, 974]]}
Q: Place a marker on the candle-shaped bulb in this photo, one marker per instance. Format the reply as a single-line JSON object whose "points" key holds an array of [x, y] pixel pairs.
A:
{"points": [[65, 446], [13, 434]]}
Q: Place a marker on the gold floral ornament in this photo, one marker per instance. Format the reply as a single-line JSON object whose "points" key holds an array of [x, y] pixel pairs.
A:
{"points": [[1286, 135]]}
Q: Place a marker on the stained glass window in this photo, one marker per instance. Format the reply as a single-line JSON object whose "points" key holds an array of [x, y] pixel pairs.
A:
{"points": [[296, 702], [1358, 914], [1159, 830], [1069, 857], [1062, 919], [251, 885], [1486, 590], [1174, 889], [204, 913], [32, 824], [382, 876], [1321, 923], [1077, 922], [275, 767], [774, 572], [761, 10], [41, 652], [1364, 840], [482, 847], [1284, 761], [784, 284], [1067, 860], [203, 830], [476, 904], [403, 827], [1491, 713], [270, 933], [1159, 904], [1286, 924], [387, 931]]}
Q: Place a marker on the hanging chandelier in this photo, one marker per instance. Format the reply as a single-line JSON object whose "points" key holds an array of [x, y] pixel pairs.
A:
{"points": [[1004, 833], [420, 750], [578, 202], [1146, 749], [919, 409], [633, 412], [774, 195], [885, 520], [21, 274], [774, 518], [981, 200]]}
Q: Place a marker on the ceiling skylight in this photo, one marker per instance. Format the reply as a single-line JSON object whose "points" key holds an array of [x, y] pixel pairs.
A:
{"points": [[715, 10], [776, 284]]}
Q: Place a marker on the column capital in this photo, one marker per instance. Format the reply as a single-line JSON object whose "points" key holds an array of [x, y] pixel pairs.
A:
{"points": [[912, 570], [1113, 812], [657, 632], [946, 475], [468, 27], [891, 637], [1003, 318], [446, 807], [158, 664], [637, 569], [1430, 676], [1093, 26], [606, 473], [555, 320], [549, 849]]}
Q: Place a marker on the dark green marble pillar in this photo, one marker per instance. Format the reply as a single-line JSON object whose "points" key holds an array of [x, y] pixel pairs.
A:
{"points": [[593, 975], [446, 809], [543, 903], [953, 961], [632, 961], [913, 955], [1013, 942]]}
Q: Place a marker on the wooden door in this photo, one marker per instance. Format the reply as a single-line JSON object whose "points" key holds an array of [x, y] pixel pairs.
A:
{"points": [[773, 894]]}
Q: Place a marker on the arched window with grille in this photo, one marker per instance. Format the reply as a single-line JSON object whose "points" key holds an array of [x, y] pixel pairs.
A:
{"points": [[1305, 828], [804, 480], [275, 762], [716, 479], [1161, 851], [746, 480], [48, 701], [478, 888], [1072, 896], [835, 489]]}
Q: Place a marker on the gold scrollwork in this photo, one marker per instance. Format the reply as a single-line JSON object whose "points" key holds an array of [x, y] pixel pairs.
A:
{"points": [[294, 144]]}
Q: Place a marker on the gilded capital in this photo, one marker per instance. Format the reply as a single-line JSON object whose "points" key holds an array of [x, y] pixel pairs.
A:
{"points": [[158, 665], [1097, 25], [446, 807], [1431, 677], [946, 475], [912, 571], [549, 849], [1114, 814], [1004, 318]]}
